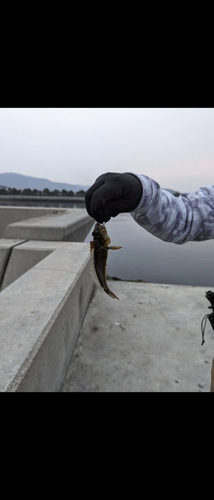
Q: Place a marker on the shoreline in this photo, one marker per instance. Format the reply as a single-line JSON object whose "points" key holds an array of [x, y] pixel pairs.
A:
{"points": [[19, 197]]}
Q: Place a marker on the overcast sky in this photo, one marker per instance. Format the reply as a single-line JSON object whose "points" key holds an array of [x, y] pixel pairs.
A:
{"points": [[174, 146]]}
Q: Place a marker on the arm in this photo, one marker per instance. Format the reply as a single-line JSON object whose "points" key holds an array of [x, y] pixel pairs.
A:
{"points": [[190, 217]]}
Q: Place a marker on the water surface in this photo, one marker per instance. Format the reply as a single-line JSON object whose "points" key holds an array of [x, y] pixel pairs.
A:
{"points": [[147, 258]]}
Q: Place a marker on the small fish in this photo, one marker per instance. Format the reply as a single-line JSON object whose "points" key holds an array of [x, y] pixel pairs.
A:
{"points": [[99, 253]]}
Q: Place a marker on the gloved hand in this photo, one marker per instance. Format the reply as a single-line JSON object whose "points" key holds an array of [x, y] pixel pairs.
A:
{"points": [[112, 194]]}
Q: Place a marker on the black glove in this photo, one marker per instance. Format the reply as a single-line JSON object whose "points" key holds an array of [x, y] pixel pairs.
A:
{"points": [[112, 194]]}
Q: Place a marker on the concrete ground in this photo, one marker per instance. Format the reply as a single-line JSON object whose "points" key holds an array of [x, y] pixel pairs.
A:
{"points": [[148, 341]]}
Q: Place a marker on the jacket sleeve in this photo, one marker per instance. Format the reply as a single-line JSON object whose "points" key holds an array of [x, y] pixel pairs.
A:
{"points": [[189, 217]]}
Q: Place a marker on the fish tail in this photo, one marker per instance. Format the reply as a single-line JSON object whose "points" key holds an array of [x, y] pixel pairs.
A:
{"points": [[112, 295]]}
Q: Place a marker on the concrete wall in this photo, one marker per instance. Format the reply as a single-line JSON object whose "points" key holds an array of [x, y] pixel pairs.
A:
{"points": [[37, 237], [72, 225], [41, 316], [25, 255], [21, 258], [9, 215], [45, 291]]}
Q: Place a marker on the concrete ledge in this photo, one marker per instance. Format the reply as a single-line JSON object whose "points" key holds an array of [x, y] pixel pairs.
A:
{"points": [[73, 225], [10, 214], [25, 256], [41, 316]]}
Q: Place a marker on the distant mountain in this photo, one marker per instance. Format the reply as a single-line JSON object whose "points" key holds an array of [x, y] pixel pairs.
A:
{"points": [[19, 181]]}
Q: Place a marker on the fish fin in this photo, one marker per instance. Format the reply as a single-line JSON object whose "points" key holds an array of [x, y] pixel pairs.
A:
{"points": [[114, 248], [112, 295], [92, 246]]}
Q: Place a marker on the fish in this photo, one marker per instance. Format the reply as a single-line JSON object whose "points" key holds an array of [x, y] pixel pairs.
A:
{"points": [[99, 253]]}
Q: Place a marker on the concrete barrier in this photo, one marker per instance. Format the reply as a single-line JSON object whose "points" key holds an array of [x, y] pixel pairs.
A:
{"points": [[25, 255], [9, 215], [45, 292], [72, 225], [41, 316], [44, 232]]}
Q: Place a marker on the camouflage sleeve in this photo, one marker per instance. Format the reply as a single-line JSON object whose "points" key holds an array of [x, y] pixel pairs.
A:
{"points": [[189, 217]]}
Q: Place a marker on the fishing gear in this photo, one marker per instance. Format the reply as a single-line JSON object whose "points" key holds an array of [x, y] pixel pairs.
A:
{"points": [[209, 296]]}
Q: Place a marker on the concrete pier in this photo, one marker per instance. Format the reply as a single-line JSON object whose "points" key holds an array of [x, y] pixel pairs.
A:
{"points": [[27, 241], [10, 215], [41, 316], [148, 341], [65, 225], [45, 292], [59, 333]]}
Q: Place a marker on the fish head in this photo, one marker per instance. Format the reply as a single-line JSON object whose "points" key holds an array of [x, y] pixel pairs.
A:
{"points": [[100, 230]]}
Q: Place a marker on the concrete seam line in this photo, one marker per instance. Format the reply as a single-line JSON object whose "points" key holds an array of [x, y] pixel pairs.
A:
{"points": [[7, 259]]}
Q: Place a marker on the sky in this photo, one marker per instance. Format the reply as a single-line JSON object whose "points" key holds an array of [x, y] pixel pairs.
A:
{"points": [[174, 146]]}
